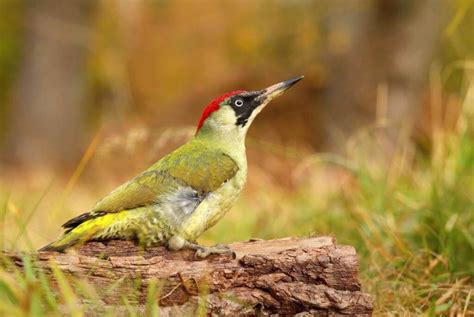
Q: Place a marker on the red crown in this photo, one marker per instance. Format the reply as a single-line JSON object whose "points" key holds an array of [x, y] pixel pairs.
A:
{"points": [[214, 106]]}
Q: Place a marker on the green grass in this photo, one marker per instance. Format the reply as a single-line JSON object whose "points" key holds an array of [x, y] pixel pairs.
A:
{"points": [[411, 221]]}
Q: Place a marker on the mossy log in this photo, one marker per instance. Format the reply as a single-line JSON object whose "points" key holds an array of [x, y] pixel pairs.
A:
{"points": [[304, 276]]}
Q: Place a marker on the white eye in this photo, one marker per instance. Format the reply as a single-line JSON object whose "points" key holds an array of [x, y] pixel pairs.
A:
{"points": [[239, 103]]}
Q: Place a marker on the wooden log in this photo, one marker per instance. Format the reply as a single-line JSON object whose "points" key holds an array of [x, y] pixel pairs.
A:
{"points": [[305, 276]]}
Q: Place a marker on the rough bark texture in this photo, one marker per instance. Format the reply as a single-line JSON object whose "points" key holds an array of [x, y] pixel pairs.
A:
{"points": [[307, 276]]}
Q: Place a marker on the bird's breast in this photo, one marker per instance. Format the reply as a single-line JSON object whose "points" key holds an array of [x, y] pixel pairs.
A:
{"points": [[213, 207]]}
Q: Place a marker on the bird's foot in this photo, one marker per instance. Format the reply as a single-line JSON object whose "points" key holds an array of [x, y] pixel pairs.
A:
{"points": [[203, 252]]}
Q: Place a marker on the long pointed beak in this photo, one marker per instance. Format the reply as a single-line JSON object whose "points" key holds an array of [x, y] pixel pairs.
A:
{"points": [[277, 89]]}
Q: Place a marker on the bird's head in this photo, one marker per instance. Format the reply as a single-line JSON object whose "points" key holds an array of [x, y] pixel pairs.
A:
{"points": [[236, 110]]}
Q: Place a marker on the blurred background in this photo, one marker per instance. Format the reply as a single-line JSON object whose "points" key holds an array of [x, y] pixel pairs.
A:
{"points": [[374, 147]]}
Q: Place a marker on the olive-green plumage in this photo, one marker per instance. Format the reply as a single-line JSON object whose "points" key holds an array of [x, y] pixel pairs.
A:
{"points": [[179, 197]]}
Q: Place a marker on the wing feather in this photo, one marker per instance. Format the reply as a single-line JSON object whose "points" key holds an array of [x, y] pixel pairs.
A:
{"points": [[192, 166]]}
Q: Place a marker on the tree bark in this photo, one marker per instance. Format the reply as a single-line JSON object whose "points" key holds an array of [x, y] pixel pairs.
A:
{"points": [[306, 276]]}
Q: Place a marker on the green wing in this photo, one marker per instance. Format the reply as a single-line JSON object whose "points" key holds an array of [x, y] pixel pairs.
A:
{"points": [[141, 191], [193, 165], [200, 168]]}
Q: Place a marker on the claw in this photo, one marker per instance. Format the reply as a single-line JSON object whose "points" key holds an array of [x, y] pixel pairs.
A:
{"points": [[203, 252]]}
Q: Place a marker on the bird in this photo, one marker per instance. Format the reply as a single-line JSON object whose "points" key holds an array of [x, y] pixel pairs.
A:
{"points": [[187, 191]]}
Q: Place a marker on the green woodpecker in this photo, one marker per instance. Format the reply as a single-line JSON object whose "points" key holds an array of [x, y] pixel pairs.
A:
{"points": [[186, 192]]}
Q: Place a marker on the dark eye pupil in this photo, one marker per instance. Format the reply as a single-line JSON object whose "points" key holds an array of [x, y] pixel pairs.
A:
{"points": [[239, 103]]}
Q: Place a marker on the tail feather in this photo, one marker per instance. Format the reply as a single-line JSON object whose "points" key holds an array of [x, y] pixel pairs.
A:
{"points": [[73, 237], [77, 221], [84, 228], [57, 246]]}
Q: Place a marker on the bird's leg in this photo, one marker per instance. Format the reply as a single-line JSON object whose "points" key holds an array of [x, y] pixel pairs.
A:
{"points": [[177, 243]]}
